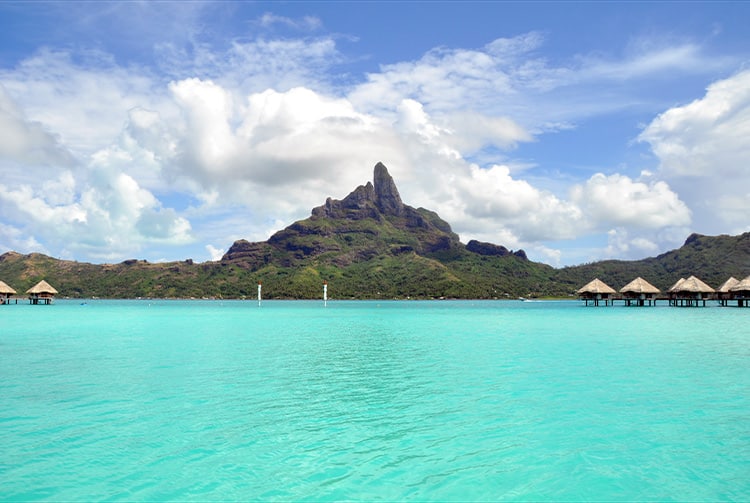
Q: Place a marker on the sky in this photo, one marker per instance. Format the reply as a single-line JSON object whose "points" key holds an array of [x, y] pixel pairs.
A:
{"points": [[577, 131]]}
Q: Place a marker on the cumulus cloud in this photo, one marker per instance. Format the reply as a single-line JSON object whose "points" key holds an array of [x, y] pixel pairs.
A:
{"points": [[702, 150], [253, 150], [207, 109], [707, 137], [108, 217], [619, 200], [492, 195]]}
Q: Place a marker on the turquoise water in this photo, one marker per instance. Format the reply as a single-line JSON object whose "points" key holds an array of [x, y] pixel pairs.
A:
{"points": [[424, 401]]}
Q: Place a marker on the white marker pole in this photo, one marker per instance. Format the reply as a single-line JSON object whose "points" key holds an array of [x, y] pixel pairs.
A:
{"points": [[325, 293], [259, 288]]}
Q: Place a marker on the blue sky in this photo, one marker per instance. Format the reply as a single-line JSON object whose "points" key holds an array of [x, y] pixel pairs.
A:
{"points": [[577, 131]]}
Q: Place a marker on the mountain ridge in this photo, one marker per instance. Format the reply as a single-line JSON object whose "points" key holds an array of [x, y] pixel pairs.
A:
{"points": [[372, 245]]}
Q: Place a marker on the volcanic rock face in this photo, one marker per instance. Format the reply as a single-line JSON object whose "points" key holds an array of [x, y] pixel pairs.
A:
{"points": [[255, 253], [482, 248], [387, 198], [372, 200]]}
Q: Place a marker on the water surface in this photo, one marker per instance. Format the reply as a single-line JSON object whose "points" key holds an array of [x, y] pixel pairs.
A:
{"points": [[445, 400]]}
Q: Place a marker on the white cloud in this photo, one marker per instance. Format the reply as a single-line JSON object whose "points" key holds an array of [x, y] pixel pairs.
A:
{"points": [[255, 152], [703, 150], [509, 77], [299, 140], [109, 217], [81, 103], [14, 239], [493, 198], [255, 65], [619, 200], [252, 155], [621, 244], [544, 254], [60, 191], [215, 253], [472, 130], [647, 58], [707, 137], [207, 109], [269, 19]]}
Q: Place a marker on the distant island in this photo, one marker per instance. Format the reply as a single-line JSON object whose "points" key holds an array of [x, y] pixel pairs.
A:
{"points": [[370, 245]]}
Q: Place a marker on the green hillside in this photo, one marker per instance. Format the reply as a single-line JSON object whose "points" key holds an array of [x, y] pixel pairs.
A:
{"points": [[712, 258]]}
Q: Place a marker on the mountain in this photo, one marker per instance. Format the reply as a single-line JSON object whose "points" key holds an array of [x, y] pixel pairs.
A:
{"points": [[712, 258], [370, 222], [372, 245]]}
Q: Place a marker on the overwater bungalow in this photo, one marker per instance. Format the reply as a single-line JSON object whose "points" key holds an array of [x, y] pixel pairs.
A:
{"points": [[690, 292], [724, 292], [741, 292], [596, 290], [41, 293], [672, 289], [638, 291], [5, 293]]}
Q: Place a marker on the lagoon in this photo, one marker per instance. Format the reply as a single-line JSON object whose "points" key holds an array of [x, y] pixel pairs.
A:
{"points": [[144, 400]]}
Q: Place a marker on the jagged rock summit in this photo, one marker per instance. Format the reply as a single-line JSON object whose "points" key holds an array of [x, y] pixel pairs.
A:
{"points": [[386, 193], [371, 221], [372, 200]]}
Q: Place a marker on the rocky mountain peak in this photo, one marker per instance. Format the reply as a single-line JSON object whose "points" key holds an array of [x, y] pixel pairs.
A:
{"points": [[376, 198], [387, 197]]}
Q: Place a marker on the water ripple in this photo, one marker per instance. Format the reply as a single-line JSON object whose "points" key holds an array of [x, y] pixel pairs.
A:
{"points": [[363, 401]]}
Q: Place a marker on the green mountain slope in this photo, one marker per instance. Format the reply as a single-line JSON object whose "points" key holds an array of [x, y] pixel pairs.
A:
{"points": [[712, 258]]}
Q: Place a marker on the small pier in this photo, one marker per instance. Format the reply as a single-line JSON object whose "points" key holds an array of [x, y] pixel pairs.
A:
{"points": [[638, 292], [740, 292], [41, 293], [6, 292], [596, 291]]}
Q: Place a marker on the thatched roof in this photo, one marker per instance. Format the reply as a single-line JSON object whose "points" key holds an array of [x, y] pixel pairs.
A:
{"points": [[41, 287], [676, 286], [694, 285], [727, 285], [596, 286], [741, 286], [639, 285], [5, 289]]}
